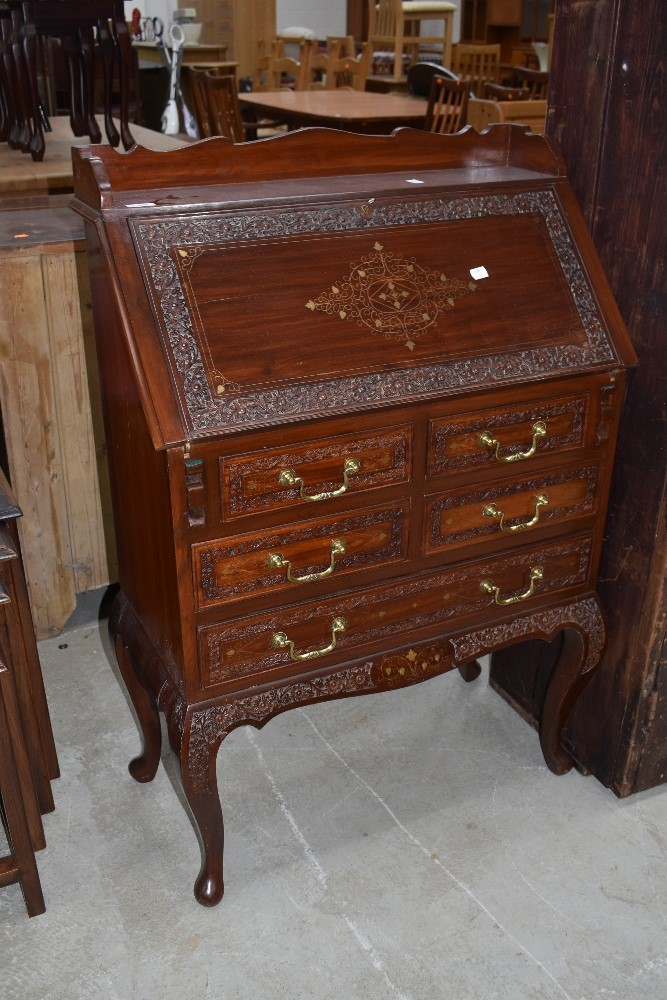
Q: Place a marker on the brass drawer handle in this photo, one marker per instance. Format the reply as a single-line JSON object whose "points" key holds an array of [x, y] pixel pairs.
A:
{"points": [[288, 477], [487, 439], [541, 500], [280, 641], [277, 560], [487, 587]]}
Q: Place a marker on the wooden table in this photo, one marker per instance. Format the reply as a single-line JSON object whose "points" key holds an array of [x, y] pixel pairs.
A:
{"points": [[193, 55], [351, 110], [21, 176]]}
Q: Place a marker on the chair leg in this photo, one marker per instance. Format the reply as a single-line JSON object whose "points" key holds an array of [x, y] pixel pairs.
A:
{"points": [[20, 866]]}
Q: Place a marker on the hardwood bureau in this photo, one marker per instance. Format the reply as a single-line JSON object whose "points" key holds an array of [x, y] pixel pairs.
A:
{"points": [[361, 398]]}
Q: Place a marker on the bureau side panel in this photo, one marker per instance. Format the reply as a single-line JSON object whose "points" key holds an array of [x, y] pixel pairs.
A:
{"points": [[139, 481]]}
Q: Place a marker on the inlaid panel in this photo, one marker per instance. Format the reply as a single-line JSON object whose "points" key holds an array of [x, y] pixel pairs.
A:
{"points": [[549, 427], [293, 556], [310, 474], [508, 509]]}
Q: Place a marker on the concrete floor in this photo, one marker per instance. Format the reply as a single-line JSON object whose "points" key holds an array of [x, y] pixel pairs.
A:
{"points": [[406, 846]]}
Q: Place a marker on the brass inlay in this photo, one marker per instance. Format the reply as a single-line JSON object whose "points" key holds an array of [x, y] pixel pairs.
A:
{"points": [[491, 510], [392, 296], [487, 440], [280, 641], [277, 561], [288, 477], [487, 587]]}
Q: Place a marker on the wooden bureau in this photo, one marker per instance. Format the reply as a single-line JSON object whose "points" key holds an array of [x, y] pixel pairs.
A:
{"points": [[361, 399]]}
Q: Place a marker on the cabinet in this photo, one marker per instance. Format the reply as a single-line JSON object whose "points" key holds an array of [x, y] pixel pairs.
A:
{"points": [[507, 22], [238, 26], [361, 398]]}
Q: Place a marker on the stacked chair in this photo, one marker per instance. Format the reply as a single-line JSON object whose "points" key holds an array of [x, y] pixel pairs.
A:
{"points": [[28, 760], [90, 32]]}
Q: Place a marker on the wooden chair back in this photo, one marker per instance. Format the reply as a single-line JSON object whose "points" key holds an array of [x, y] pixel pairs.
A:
{"points": [[350, 72], [536, 81], [284, 72], [496, 92], [447, 105], [386, 30], [482, 113], [420, 77], [199, 101], [223, 107], [317, 67], [341, 45], [478, 64], [266, 50]]}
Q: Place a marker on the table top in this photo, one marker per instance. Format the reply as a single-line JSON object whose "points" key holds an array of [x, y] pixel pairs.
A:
{"points": [[339, 108], [20, 175]]}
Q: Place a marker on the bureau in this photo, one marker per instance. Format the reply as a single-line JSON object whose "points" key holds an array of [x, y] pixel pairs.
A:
{"points": [[361, 398]]}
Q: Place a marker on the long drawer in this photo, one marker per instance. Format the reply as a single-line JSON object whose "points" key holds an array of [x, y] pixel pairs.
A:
{"points": [[346, 623]]}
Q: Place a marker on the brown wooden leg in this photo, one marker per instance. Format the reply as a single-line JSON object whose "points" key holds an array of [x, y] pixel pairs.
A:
{"points": [[143, 768], [567, 682], [469, 671], [197, 759]]}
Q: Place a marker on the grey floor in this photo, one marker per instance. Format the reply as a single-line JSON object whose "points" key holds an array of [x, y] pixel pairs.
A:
{"points": [[406, 846]]}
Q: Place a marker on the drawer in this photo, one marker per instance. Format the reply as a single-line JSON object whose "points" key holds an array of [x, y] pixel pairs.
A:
{"points": [[314, 472], [508, 510], [493, 438], [296, 555], [314, 633]]}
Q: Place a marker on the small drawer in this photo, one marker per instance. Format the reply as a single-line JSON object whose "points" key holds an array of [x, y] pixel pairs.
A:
{"points": [[313, 473], [314, 633], [507, 435], [506, 510], [297, 555]]}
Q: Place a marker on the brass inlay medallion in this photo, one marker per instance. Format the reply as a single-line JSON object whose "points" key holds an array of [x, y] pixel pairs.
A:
{"points": [[392, 296]]}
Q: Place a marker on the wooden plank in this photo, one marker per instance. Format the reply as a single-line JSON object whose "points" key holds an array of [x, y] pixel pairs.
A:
{"points": [[33, 443], [69, 313], [607, 82]]}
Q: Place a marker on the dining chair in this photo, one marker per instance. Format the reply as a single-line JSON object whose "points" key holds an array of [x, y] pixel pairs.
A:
{"points": [[266, 50], [496, 92], [396, 25], [317, 66], [478, 64], [350, 72], [197, 79], [482, 113], [535, 80], [447, 105], [420, 77], [285, 72], [224, 111]]}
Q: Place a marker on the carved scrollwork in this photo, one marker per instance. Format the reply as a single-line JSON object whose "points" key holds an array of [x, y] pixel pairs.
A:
{"points": [[583, 615]]}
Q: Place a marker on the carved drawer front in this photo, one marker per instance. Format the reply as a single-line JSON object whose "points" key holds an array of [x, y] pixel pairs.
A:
{"points": [[309, 634], [506, 436], [508, 509], [291, 557], [314, 472]]}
